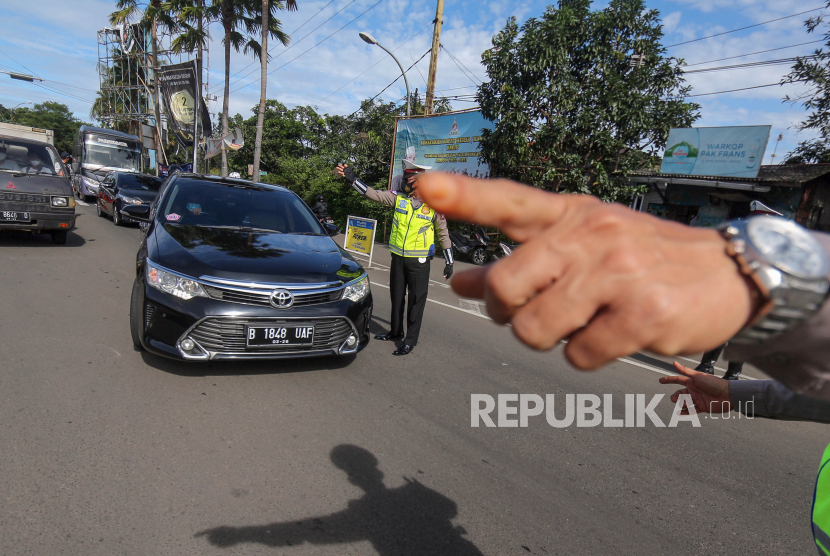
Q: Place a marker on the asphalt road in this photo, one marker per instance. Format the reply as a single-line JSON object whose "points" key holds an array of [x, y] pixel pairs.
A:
{"points": [[106, 450]]}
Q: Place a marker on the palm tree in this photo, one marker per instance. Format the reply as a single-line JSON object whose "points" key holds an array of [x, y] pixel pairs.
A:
{"points": [[149, 16], [242, 21]]}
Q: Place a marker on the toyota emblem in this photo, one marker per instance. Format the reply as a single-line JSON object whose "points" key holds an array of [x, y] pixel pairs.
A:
{"points": [[282, 299]]}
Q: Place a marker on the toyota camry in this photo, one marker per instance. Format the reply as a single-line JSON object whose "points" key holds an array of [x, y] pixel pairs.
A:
{"points": [[229, 269]]}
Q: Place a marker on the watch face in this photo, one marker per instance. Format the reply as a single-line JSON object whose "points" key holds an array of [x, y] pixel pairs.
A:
{"points": [[789, 247]]}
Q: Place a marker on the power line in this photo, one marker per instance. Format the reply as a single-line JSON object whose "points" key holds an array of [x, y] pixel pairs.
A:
{"points": [[751, 65], [459, 65], [747, 27], [72, 86], [753, 53], [376, 63], [407, 71], [393, 82], [315, 46], [741, 89], [18, 63], [62, 93], [292, 45]]}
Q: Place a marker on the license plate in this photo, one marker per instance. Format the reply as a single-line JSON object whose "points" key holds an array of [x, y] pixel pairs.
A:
{"points": [[277, 336], [15, 216]]}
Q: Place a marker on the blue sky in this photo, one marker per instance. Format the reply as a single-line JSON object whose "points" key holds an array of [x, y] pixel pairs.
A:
{"points": [[57, 41]]}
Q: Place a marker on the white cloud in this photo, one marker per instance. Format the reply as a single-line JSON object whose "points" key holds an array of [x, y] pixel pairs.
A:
{"points": [[671, 21]]}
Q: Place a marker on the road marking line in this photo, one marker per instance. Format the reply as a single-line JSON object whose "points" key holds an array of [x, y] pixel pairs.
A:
{"points": [[645, 366], [622, 359], [441, 303], [82, 203]]}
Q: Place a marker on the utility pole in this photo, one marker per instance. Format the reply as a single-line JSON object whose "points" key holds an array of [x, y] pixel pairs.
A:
{"points": [[433, 57]]}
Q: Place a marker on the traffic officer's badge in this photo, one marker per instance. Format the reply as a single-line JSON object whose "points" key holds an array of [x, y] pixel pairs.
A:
{"points": [[425, 209], [402, 203]]}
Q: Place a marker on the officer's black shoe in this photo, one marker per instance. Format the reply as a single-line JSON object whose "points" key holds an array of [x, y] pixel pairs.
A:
{"points": [[731, 376], [403, 350], [388, 337], [709, 369]]}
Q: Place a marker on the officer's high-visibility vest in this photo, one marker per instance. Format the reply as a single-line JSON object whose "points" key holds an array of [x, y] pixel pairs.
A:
{"points": [[821, 506], [412, 233]]}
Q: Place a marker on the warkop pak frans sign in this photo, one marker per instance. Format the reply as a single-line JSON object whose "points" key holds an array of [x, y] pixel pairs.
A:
{"points": [[180, 91]]}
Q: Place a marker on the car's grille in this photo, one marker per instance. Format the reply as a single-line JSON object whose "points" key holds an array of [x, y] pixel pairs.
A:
{"points": [[227, 335], [24, 202], [24, 198], [263, 297]]}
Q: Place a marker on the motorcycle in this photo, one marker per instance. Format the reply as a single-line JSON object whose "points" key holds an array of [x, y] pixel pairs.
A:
{"points": [[473, 247]]}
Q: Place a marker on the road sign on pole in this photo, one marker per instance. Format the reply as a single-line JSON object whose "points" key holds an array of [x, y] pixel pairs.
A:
{"points": [[360, 236]]}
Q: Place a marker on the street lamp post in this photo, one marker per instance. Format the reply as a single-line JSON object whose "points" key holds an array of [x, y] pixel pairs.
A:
{"points": [[371, 40], [21, 104]]}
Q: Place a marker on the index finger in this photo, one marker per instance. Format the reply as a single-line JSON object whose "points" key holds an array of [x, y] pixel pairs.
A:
{"points": [[518, 210]]}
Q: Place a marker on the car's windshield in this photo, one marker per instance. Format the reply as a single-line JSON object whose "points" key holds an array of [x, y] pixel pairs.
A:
{"points": [[20, 156], [141, 182], [244, 207], [111, 154]]}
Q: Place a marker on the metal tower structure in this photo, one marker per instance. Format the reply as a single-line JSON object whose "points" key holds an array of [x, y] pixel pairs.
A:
{"points": [[127, 77]]}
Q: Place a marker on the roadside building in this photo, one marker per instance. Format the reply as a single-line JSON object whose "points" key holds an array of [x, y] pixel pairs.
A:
{"points": [[798, 191]]}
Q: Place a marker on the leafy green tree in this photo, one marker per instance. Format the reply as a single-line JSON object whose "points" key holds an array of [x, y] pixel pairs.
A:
{"points": [[815, 71], [241, 22], [48, 115], [571, 112], [300, 148]]}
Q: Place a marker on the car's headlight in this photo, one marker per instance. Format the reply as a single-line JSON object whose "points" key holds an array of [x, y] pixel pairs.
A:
{"points": [[131, 201], [185, 288], [357, 290], [62, 202]]}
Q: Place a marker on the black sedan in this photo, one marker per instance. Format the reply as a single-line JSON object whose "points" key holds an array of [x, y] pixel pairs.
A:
{"points": [[120, 189], [229, 269]]}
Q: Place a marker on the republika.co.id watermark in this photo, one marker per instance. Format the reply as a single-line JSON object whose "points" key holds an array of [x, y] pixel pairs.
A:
{"points": [[588, 410]]}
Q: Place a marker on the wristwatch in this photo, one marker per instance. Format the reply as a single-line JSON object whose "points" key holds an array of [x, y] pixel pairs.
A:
{"points": [[789, 267]]}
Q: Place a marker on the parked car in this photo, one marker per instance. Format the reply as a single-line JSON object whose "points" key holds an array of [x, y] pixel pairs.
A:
{"points": [[38, 195], [119, 189], [229, 269]]}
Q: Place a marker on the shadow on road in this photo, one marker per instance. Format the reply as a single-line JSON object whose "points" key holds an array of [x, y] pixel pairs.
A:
{"points": [[28, 239], [408, 520], [252, 367]]}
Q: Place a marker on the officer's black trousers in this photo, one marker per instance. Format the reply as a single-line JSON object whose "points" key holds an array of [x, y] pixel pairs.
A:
{"points": [[407, 275]]}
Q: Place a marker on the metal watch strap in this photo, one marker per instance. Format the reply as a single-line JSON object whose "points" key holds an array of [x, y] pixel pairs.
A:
{"points": [[789, 300]]}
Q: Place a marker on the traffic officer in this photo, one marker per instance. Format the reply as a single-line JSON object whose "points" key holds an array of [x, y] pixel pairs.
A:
{"points": [[412, 245]]}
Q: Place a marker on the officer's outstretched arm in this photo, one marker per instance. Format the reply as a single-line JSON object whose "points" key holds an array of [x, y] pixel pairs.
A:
{"points": [[386, 198]]}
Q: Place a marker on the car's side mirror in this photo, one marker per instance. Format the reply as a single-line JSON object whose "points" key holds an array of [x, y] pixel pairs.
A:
{"points": [[139, 213], [331, 229]]}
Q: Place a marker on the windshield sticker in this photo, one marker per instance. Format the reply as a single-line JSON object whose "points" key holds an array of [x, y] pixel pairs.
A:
{"points": [[172, 217]]}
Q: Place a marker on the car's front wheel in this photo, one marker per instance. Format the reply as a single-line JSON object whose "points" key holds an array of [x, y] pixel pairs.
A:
{"points": [[135, 314], [98, 209], [116, 216]]}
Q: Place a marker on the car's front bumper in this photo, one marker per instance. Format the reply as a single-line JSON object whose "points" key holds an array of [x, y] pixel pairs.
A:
{"points": [[217, 328], [42, 221]]}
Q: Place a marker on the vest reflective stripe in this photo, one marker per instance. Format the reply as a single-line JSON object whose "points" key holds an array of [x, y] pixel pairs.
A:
{"points": [[821, 506], [412, 234]]}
